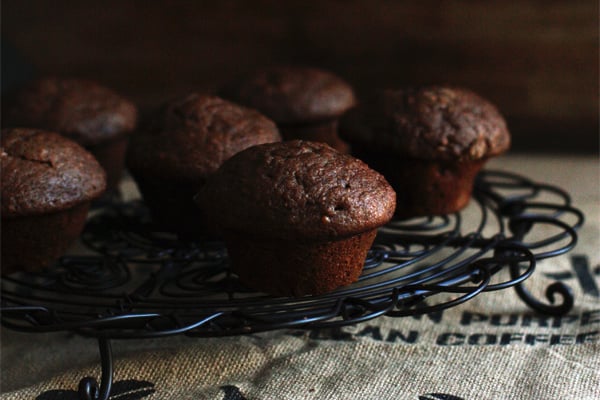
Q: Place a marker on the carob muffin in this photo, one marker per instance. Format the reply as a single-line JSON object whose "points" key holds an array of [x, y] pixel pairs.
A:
{"points": [[297, 217], [90, 114], [429, 141], [184, 142], [48, 182], [304, 102]]}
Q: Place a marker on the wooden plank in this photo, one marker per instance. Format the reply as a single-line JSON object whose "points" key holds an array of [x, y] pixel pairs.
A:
{"points": [[537, 60]]}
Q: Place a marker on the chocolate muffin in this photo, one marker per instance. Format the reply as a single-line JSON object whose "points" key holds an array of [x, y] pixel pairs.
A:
{"points": [[304, 102], [90, 114], [430, 141], [181, 145], [297, 217], [48, 182]]}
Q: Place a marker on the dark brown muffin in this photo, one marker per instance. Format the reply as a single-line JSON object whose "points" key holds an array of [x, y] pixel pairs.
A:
{"points": [[92, 115], [431, 142], [304, 102], [48, 182], [298, 217], [185, 142]]}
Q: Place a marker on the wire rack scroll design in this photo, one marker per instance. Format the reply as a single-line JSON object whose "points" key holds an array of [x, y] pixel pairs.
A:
{"points": [[139, 282]]}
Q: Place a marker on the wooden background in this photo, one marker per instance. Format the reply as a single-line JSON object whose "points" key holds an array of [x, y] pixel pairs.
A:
{"points": [[537, 60]]}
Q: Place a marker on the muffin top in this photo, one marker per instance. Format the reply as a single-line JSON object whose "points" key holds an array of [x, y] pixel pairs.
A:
{"points": [[291, 95], [79, 109], [297, 190], [430, 123], [189, 138], [45, 172]]}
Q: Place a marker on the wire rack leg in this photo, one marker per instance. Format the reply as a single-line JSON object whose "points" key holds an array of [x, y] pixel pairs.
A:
{"points": [[88, 387]]}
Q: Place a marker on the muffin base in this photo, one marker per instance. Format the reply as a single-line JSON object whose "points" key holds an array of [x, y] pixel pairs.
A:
{"points": [[111, 156], [324, 132], [293, 268], [31, 243], [425, 187]]}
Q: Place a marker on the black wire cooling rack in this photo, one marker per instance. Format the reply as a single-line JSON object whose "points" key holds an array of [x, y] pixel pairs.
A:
{"points": [[138, 282]]}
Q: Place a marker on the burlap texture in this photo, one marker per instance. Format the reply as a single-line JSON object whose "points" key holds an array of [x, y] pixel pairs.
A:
{"points": [[492, 347]]}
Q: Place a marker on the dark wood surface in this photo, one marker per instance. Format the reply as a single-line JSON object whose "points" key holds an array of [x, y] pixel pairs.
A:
{"points": [[537, 60]]}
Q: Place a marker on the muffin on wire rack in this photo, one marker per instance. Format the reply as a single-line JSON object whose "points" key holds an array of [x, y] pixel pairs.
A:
{"points": [[48, 183], [181, 145], [297, 217], [429, 142], [305, 102]]}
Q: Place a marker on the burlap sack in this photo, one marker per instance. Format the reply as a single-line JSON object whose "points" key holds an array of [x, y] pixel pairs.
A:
{"points": [[492, 347]]}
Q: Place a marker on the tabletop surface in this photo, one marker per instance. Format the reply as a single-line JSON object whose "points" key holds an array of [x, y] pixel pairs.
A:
{"points": [[492, 347]]}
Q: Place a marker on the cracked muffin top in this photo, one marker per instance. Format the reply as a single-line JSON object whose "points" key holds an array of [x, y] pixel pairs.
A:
{"points": [[430, 123], [297, 189], [189, 138], [291, 95], [45, 172], [80, 109]]}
